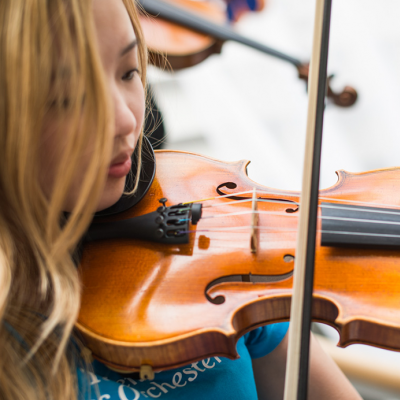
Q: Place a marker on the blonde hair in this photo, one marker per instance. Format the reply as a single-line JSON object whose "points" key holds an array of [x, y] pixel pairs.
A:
{"points": [[42, 43]]}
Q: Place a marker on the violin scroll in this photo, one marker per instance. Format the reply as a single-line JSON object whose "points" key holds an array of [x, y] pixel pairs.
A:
{"points": [[346, 98]]}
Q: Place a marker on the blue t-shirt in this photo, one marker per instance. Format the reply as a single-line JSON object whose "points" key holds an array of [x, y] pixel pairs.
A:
{"points": [[215, 378]]}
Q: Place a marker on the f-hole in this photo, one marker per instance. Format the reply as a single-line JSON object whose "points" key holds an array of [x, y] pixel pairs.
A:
{"points": [[246, 278]]}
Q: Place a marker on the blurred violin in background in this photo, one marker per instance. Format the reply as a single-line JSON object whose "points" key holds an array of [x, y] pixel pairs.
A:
{"points": [[186, 32], [183, 46]]}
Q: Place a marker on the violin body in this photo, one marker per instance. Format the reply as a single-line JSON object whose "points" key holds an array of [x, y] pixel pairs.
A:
{"points": [[180, 46], [183, 47], [168, 305]]}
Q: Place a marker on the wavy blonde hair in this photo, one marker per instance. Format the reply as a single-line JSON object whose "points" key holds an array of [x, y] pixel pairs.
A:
{"points": [[42, 44]]}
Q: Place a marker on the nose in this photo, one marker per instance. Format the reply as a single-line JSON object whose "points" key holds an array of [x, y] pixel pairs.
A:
{"points": [[125, 121]]}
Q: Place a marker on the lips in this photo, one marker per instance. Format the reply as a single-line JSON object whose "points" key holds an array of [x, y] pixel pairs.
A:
{"points": [[120, 165]]}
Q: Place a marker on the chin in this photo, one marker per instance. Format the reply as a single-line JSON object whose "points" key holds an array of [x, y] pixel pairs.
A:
{"points": [[112, 193]]}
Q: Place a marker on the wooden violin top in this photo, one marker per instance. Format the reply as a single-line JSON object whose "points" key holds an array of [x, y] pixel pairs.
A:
{"points": [[167, 305]]}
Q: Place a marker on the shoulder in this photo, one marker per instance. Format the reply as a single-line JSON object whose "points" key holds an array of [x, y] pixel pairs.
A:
{"points": [[264, 340]]}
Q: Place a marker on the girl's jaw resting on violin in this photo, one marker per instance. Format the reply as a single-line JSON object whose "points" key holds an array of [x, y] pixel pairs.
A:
{"points": [[118, 53]]}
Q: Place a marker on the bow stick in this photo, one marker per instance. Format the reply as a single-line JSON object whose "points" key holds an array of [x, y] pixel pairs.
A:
{"points": [[296, 380]]}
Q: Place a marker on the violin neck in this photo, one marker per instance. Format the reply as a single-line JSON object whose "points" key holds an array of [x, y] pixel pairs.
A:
{"points": [[180, 16]]}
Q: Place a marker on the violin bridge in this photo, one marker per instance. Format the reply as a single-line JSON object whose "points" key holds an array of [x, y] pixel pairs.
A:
{"points": [[254, 236]]}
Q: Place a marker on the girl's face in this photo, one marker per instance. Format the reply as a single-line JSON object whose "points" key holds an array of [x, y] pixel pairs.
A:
{"points": [[118, 52]]}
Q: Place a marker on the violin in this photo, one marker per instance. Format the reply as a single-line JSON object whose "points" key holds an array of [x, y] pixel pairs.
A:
{"points": [[183, 33], [183, 46], [208, 276]]}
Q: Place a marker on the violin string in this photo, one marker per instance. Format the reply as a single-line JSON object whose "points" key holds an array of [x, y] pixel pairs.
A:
{"points": [[374, 211], [184, 209], [363, 220], [339, 201], [246, 212], [332, 206], [369, 221], [217, 197], [386, 235], [232, 228]]}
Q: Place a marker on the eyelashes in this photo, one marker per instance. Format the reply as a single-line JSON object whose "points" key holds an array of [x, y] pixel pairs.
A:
{"points": [[62, 103], [130, 74]]}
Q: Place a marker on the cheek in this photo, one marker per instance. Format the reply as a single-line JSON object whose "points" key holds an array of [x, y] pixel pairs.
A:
{"points": [[56, 134], [136, 103]]}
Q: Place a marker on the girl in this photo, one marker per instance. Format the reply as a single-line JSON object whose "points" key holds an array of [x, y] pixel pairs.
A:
{"points": [[72, 78]]}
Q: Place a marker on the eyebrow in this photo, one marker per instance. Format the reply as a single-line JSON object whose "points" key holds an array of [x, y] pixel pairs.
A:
{"points": [[128, 48]]}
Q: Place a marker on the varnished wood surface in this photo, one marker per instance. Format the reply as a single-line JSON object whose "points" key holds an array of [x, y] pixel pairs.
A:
{"points": [[145, 303], [181, 46]]}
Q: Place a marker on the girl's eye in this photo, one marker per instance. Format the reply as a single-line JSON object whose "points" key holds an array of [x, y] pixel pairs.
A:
{"points": [[61, 103], [130, 74]]}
